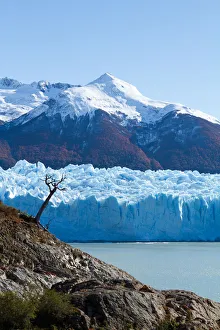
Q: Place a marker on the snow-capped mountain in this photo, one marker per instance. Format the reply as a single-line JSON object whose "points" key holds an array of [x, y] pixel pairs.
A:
{"points": [[107, 122], [107, 93]]}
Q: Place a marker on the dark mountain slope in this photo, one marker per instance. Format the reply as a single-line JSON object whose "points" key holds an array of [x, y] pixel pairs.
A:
{"points": [[99, 140], [181, 142]]}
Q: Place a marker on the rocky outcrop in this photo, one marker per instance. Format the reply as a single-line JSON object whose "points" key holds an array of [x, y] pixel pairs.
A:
{"points": [[119, 304], [32, 257], [104, 296]]}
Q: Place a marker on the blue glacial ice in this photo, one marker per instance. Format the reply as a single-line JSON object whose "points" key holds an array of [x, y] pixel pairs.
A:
{"points": [[119, 204]]}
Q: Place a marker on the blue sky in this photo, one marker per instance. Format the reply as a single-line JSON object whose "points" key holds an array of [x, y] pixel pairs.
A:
{"points": [[168, 49]]}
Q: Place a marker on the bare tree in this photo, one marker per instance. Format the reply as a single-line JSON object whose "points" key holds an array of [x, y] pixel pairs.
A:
{"points": [[53, 185]]}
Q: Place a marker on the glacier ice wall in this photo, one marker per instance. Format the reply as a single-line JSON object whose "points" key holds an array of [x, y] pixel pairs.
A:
{"points": [[119, 204]]}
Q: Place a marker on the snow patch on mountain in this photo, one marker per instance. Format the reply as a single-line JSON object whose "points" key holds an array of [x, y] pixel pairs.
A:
{"points": [[17, 99], [118, 203], [109, 94], [147, 110]]}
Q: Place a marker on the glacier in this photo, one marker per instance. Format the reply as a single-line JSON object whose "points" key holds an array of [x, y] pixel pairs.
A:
{"points": [[119, 204]]}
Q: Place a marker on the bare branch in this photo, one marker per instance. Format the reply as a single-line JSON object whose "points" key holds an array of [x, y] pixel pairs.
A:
{"points": [[48, 223], [61, 189], [52, 183]]}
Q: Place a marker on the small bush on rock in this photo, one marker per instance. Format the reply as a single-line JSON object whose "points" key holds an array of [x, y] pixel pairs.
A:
{"points": [[54, 309], [51, 311], [15, 312], [168, 325]]}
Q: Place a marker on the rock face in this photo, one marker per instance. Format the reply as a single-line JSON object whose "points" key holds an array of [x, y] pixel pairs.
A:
{"points": [[121, 304], [105, 296]]}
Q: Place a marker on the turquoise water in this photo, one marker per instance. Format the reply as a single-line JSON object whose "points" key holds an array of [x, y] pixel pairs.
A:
{"points": [[190, 266]]}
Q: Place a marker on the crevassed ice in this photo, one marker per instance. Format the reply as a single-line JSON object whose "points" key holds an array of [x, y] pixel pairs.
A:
{"points": [[119, 204]]}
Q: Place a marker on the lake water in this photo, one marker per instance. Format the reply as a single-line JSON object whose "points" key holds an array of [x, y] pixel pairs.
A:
{"points": [[190, 266]]}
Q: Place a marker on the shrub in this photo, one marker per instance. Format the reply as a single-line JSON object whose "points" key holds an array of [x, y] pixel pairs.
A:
{"points": [[51, 311], [26, 217], [168, 325], [15, 312], [54, 309]]}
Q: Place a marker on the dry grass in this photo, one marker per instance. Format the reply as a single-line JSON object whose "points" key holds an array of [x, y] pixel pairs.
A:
{"points": [[13, 214], [9, 212]]}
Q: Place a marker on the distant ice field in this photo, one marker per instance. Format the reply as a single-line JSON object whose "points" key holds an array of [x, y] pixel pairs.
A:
{"points": [[119, 204]]}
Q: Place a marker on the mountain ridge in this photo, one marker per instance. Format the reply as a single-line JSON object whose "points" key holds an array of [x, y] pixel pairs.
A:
{"points": [[107, 93]]}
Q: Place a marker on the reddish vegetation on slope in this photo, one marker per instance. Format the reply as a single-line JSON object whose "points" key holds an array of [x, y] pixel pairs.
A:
{"points": [[179, 142]]}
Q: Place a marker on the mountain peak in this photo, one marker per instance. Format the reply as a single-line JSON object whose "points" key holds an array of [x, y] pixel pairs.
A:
{"points": [[9, 83], [106, 77], [43, 85]]}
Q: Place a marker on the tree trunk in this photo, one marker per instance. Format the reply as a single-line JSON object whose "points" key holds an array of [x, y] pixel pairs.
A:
{"points": [[43, 206]]}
